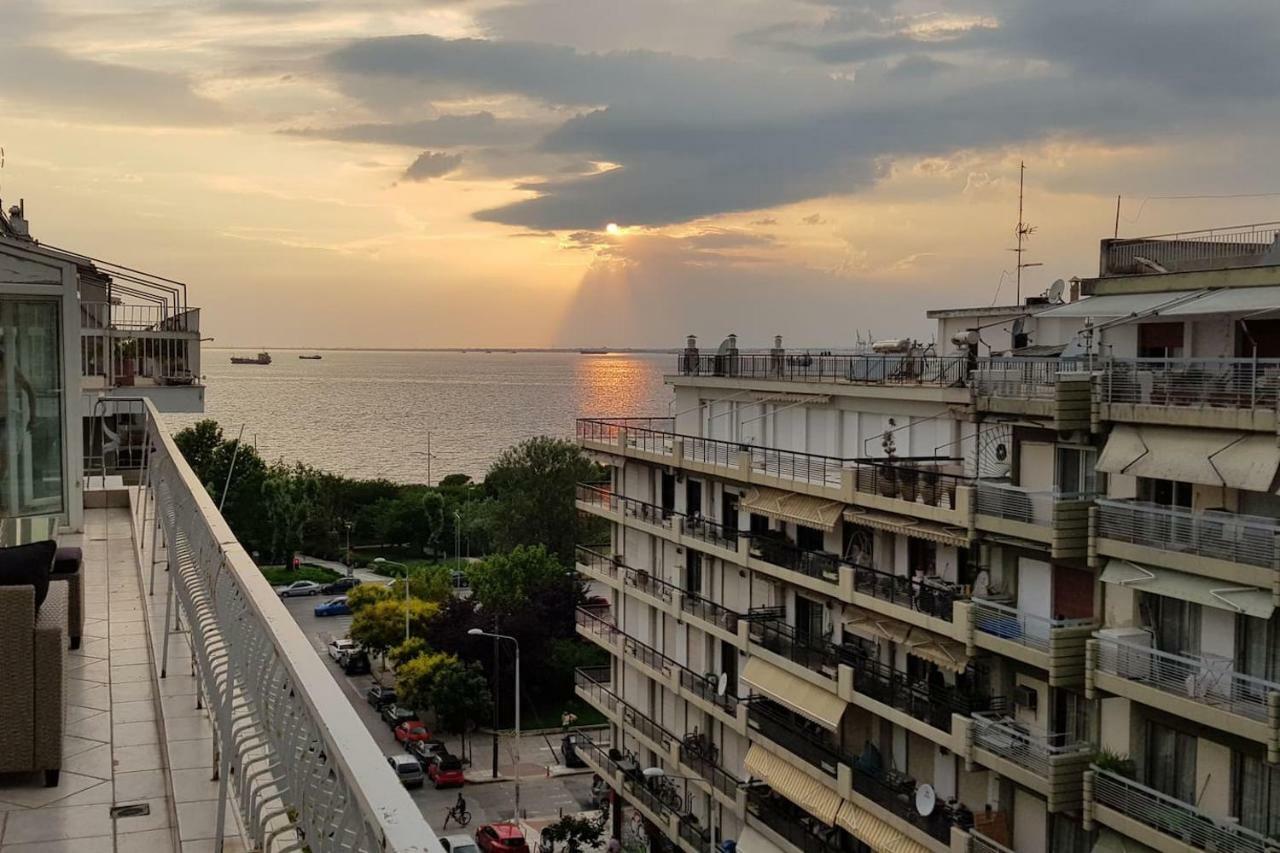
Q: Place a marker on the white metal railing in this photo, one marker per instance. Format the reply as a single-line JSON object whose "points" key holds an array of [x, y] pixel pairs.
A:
{"points": [[1175, 818], [154, 317], [1250, 539], [300, 764], [1024, 745], [1031, 506], [982, 844], [1192, 382], [1208, 679], [1189, 249], [1009, 623], [1023, 377]]}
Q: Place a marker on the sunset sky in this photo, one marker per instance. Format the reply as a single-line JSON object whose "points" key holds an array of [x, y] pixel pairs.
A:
{"points": [[425, 173]]}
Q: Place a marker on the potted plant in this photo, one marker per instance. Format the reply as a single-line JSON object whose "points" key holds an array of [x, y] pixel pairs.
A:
{"points": [[126, 359], [1114, 762]]}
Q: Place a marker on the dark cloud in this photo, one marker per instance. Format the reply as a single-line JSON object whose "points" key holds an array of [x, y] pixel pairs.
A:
{"points": [[431, 164], [446, 131]]}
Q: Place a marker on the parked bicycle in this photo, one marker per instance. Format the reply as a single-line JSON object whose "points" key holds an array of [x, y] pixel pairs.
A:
{"points": [[699, 745]]}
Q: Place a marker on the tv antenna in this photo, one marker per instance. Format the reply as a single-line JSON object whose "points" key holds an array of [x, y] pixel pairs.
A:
{"points": [[1023, 232]]}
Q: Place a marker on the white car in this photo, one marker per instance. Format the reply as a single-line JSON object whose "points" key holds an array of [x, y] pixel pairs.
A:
{"points": [[299, 588], [459, 844], [340, 647]]}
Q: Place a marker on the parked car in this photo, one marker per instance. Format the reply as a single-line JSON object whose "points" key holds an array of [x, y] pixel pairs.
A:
{"points": [[299, 588], [423, 750], [412, 730], [394, 715], [459, 844], [501, 838], [407, 769], [445, 771], [355, 663], [340, 586], [333, 607], [379, 695], [340, 647]]}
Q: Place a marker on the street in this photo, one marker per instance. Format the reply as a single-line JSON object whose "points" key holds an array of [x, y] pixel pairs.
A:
{"points": [[542, 796]]}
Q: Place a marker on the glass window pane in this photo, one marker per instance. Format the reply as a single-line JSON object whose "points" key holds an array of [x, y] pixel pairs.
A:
{"points": [[31, 429]]}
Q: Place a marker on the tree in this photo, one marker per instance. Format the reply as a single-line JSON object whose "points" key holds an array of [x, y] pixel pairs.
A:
{"points": [[506, 582], [461, 696], [415, 679], [407, 651], [289, 493], [380, 626], [533, 484], [365, 594], [210, 453], [574, 833]]}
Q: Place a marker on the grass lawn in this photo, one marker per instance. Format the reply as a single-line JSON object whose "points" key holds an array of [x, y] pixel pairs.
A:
{"points": [[280, 575], [549, 717]]}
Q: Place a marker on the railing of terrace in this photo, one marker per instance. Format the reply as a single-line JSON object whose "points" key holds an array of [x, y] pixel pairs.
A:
{"points": [[598, 563], [854, 368], [1024, 745], [1022, 378], [814, 653], [912, 480], [924, 700], [1236, 383], [780, 726], [1029, 506], [1188, 249], [1250, 539], [932, 596], [706, 688], [896, 793], [294, 754], [800, 829], [1009, 623], [776, 550]]}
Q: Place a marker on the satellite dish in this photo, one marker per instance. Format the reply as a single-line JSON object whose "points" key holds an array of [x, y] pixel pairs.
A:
{"points": [[722, 683], [1055, 290], [1017, 326], [926, 800]]}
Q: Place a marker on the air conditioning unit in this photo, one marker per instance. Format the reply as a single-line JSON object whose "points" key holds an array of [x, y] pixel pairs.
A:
{"points": [[1026, 697], [1130, 662]]}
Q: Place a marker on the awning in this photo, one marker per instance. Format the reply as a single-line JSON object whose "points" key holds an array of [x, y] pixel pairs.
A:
{"points": [[1208, 457], [957, 536], [1229, 300], [874, 832], [1235, 598], [1119, 305], [821, 706], [789, 781], [926, 645], [789, 506], [750, 841]]}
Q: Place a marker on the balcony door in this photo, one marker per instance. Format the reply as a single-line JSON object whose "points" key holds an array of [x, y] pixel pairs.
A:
{"points": [[693, 497], [32, 479], [1171, 762], [809, 628]]}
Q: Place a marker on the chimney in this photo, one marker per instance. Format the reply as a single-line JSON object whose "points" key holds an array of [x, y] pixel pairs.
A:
{"points": [[777, 356], [689, 361]]}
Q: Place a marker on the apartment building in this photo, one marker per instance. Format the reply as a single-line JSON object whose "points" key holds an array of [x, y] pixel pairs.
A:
{"points": [[1010, 593]]}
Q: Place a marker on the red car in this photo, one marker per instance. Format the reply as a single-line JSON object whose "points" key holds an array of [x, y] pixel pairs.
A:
{"points": [[445, 771], [412, 730], [501, 838]]}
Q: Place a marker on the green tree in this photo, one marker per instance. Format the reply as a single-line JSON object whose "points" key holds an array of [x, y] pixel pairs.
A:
{"points": [[574, 833], [365, 594], [407, 651], [380, 626], [210, 454], [505, 582], [461, 697], [415, 679], [289, 493], [533, 484]]}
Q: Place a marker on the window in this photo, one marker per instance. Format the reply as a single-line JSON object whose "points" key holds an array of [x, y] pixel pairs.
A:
{"points": [[1171, 762], [1077, 471], [1256, 794], [729, 512], [1164, 492], [1176, 623], [1258, 648], [693, 571], [759, 523], [809, 619], [668, 491], [922, 557], [693, 497], [31, 429], [809, 538], [1160, 340], [729, 666]]}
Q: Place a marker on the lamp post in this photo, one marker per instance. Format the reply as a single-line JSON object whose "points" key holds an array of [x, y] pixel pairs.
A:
{"points": [[383, 561], [477, 632], [457, 539], [349, 525]]}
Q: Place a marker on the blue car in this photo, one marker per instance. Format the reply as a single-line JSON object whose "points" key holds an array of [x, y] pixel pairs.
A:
{"points": [[334, 607]]}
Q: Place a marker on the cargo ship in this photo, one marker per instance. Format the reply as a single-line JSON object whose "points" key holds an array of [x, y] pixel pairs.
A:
{"points": [[260, 358]]}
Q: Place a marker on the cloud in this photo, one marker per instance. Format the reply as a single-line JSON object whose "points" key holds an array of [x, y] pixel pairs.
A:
{"points": [[446, 131], [431, 164], [814, 219], [765, 220]]}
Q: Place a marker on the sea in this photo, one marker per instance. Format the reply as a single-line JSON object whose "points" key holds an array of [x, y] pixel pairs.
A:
{"points": [[379, 413]]}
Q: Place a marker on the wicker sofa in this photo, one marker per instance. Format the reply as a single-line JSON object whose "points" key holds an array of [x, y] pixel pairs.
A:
{"points": [[32, 680]]}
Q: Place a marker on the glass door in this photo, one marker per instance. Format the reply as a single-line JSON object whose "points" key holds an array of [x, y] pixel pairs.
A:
{"points": [[31, 412]]}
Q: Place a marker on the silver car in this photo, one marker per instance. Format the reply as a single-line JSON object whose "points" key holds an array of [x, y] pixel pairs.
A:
{"points": [[299, 588], [407, 769]]}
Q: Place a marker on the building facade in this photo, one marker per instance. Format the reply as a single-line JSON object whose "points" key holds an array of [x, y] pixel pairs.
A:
{"points": [[1010, 592]]}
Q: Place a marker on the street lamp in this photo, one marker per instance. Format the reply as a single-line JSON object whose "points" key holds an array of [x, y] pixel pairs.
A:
{"points": [[383, 561], [349, 525], [477, 632]]}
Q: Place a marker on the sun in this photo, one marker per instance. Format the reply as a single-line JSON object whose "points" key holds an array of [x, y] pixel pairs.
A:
{"points": [[613, 228]]}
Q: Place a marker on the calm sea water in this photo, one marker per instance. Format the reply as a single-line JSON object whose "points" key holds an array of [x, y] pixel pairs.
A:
{"points": [[367, 414]]}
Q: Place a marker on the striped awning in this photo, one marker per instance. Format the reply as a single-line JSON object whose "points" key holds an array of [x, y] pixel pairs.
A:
{"points": [[940, 533], [821, 706], [873, 626], [789, 506], [942, 651], [926, 645], [794, 784], [874, 832]]}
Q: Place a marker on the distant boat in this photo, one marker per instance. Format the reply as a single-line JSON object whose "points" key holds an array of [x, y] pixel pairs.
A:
{"points": [[261, 358], [594, 351], [311, 357]]}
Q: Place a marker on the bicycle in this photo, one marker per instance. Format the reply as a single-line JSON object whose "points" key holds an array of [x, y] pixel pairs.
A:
{"points": [[461, 817]]}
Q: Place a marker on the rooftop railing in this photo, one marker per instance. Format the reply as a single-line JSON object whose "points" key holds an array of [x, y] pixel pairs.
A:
{"points": [[1022, 378], [1015, 503], [915, 480], [1213, 248], [1019, 626], [1208, 679], [1250, 539], [1175, 818], [800, 739], [295, 756], [945, 371], [1199, 383], [932, 596], [1024, 745]]}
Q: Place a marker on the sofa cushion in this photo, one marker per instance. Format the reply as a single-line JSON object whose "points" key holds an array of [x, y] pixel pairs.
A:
{"points": [[28, 565], [67, 560]]}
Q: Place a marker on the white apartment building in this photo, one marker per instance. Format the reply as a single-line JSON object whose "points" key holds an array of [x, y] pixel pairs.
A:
{"points": [[1010, 593]]}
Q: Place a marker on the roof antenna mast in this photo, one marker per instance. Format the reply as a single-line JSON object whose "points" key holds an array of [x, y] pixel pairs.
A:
{"points": [[1023, 232]]}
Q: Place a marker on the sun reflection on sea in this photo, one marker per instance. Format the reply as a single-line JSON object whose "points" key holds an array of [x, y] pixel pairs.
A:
{"points": [[617, 385]]}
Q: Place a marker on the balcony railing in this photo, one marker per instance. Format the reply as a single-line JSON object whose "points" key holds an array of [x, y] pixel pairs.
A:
{"points": [[777, 551], [649, 583], [1023, 378], [1029, 506], [276, 709], [982, 844], [913, 480], [932, 596], [814, 653], [946, 371], [1208, 680], [1250, 539], [1229, 383], [780, 726], [1024, 745], [708, 611], [650, 434], [896, 793], [1175, 818], [720, 779], [795, 825], [598, 496], [921, 699], [1214, 248], [595, 562], [710, 532], [597, 683], [596, 625], [1009, 623], [707, 688]]}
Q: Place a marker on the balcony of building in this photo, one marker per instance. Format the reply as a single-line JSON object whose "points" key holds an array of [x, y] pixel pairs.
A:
{"points": [[701, 533], [890, 369], [1162, 822], [776, 554], [925, 601], [1056, 389], [1203, 688], [149, 349], [1056, 646], [1225, 393], [789, 827], [1232, 247], [813, 746], [814, 659], [1243, 549], [887, 791], [596, 624], [594, 684], [593, 564], [1050, 517], [1052, 765]]}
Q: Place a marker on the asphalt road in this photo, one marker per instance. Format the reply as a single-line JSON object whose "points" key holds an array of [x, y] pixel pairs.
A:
{"points": [[541, 797]]}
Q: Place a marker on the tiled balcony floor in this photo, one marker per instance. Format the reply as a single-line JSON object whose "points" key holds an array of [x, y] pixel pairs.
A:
{"points": [[128, 736]]}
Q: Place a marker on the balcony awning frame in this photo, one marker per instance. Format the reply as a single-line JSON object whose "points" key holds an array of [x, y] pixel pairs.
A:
{"points": [[792, 507], [1237, 460], [905, 526], [1243, 600], [792, 783], [793, 692]]}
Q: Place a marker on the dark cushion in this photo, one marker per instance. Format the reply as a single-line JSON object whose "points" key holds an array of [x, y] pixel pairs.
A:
{"points": [[28, 565], [67, 560]]}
